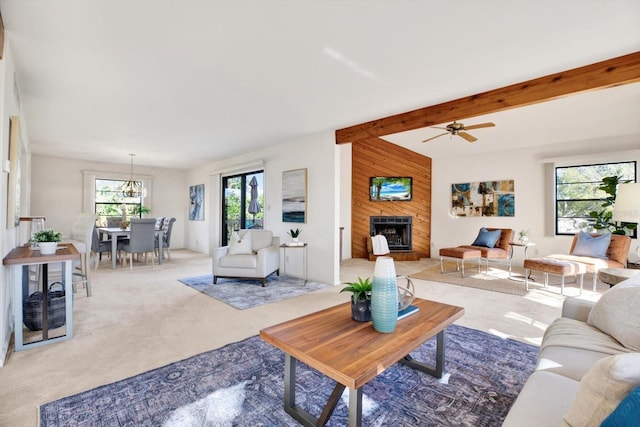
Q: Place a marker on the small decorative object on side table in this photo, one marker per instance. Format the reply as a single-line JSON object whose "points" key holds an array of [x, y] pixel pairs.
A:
{"points": [[523, 236]]}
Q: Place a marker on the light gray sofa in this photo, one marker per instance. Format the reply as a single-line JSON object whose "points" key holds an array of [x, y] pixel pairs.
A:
{"points": [[589, 360], [251, 254]]}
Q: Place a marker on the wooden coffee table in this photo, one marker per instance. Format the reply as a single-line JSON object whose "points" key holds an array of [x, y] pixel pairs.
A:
{"points": [[353, 353]]}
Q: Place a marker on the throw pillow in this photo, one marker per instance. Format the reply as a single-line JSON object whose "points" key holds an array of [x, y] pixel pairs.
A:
{"points": [[487, 238], [602, 389], [240, 246], [627, 413], [595, 247], [616, 313]]}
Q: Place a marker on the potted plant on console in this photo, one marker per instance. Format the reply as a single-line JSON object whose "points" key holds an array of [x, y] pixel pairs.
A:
{"points": [[47, 241], [360, 299]]}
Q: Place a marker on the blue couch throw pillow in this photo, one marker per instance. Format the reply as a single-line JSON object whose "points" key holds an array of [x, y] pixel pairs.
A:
{"points": [[627, 413], [590, 246], [487, 238]]}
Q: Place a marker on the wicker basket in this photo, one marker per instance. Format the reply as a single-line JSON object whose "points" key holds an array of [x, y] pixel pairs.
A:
{"points": [[56, 309]]}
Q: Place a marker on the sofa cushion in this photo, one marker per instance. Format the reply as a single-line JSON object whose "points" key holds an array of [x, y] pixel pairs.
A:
{"points": [[592, 246], [240, 245], [602, 388], [569, 362], [564, 332], [486, 238], [570, 347], [627, 413], [543, 401], [616, 313], [239, 261]]}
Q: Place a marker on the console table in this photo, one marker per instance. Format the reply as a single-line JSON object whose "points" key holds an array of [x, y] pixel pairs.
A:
{"points": [[20, 259]]}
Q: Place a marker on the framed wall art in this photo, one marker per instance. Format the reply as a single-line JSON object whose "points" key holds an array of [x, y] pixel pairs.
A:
{"points": [[486, 198], [13, 190], [294, 196], [196, 202]]}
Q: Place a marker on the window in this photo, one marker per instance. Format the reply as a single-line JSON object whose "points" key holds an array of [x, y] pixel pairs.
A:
{"points": [[242, 202], [577, 193], [109, 201]]}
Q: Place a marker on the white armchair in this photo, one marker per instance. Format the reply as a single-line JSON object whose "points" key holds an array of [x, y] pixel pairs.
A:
{"points": [[251, 254]]}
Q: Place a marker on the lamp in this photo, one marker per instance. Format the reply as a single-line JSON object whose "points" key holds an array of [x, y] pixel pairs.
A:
{"points": [[133, 188], [627, 206]]}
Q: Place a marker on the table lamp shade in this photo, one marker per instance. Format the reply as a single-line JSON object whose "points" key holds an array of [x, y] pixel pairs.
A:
{"points": [[627, 206]]}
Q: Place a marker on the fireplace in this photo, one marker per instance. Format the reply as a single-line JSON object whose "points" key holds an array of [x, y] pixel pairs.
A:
{"points": [[397, 230]]}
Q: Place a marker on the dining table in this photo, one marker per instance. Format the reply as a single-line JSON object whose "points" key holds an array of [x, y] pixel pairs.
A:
{"points": [[115, 232]]}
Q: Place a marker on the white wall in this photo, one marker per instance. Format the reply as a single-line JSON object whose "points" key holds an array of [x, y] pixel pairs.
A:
{"points": [[57, 192], [9, 235], [316, 153]]}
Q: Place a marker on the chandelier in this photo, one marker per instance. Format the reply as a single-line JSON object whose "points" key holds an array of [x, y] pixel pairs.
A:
{"points": [[133, 188]]}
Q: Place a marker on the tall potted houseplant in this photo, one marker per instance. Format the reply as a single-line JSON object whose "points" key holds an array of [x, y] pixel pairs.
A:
{"points": [[360, 299], [47, 241], [602, 219]]}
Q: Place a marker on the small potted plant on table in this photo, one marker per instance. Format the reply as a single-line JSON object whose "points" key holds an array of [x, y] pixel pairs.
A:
{"points": [[360, 299], [294, 234], [47, 241]]}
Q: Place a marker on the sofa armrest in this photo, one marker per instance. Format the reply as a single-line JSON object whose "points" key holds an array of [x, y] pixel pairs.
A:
{"points": [[577, 308], [268, 259]]}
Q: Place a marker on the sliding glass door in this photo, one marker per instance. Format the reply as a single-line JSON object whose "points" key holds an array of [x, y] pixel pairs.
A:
{"points": [[242, 202]]}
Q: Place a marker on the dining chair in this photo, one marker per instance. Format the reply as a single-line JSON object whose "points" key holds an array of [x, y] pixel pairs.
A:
{"points": [[159, 221], [141, 240], [81, 236], [99, 246], [167, 226]]}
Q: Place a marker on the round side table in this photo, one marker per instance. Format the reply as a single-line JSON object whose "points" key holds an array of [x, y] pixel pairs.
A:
{"points": [[613, 276]]}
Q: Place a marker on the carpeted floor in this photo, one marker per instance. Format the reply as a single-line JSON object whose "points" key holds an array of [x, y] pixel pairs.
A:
{"points": [[498, 279], [241, 384], [245, 293]]}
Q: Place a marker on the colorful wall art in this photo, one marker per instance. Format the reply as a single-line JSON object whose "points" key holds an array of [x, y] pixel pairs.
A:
{"points": [[486, 198]]}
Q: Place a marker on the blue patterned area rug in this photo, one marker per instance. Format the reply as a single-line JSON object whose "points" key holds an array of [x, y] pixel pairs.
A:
{"points": [[241, 384], [246, 293]]}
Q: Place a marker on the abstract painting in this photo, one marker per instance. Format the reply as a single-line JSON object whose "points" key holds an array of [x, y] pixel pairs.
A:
{"points": [[13, 193], [294, 196], [487, 198], [196, 202]]}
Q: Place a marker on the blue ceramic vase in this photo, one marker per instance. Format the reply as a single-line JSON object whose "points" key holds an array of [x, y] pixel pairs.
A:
{"points": [[384, 296]]}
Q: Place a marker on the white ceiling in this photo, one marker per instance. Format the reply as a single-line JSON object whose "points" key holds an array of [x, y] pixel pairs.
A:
{"points": [[183, 83]]}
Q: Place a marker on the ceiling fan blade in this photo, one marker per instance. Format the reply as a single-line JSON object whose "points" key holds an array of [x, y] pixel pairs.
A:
{"points": [[434, 137], [467, 136], [481, 125], [438, 127]]}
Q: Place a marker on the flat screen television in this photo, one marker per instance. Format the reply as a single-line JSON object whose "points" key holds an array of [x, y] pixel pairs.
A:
{"points": [[390, 188]]}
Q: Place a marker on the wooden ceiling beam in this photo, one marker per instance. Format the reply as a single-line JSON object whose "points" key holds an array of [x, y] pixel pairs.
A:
{"points": [[612, 72]]}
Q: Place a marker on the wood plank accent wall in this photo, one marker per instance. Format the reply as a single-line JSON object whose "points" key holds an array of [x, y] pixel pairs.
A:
{"points": [[376, 157]]}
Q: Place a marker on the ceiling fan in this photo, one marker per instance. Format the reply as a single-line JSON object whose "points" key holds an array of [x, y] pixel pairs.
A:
{"points": [[460, 129]]}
